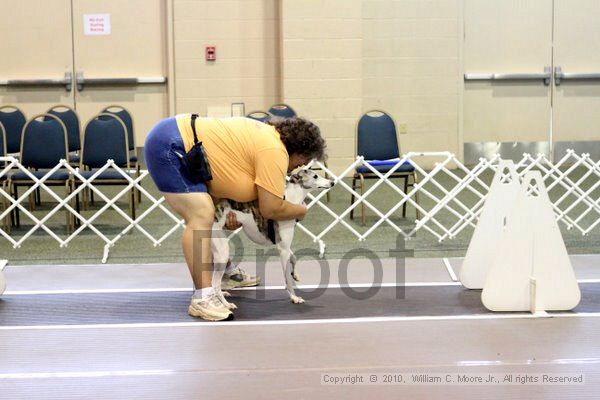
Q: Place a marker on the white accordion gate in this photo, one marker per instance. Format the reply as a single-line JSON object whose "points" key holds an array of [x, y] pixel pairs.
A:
{"points": [[572, 182]]}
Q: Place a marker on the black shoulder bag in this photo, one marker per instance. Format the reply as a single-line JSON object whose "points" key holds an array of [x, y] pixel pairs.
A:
{"points": [[196, 161]]}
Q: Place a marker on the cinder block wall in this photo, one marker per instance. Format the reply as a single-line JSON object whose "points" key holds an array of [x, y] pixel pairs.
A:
{"points": [[329, 59], [344, 57], [323, 69], [247, 40], [411, 68]]}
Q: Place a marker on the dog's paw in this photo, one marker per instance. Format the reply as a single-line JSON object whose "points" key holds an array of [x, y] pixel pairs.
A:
{"points": [[297, 300], [226, 294]]}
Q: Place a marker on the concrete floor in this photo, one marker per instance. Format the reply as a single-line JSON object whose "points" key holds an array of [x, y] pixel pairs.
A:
{"points": [[286, 357]]}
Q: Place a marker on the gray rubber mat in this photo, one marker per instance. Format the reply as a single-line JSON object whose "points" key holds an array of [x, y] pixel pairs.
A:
{"points": [[165, 307]]}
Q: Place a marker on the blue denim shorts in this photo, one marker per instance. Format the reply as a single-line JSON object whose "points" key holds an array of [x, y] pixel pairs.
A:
{"points": [[163, 152]]}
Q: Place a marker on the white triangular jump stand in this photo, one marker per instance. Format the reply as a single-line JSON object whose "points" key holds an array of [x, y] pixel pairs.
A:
{"points": [[501, 198], [531, 270], [2, 278]]}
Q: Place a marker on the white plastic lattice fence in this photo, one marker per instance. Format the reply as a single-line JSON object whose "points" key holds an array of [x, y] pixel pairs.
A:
{"points": [[65, 203], [573, 184]]}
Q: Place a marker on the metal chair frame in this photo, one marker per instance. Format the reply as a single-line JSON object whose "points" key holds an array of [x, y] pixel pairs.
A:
{"points": [[362, 176]]}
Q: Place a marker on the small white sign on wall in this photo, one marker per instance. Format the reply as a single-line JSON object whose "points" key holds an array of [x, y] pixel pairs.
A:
{"points": [[96, 24]]}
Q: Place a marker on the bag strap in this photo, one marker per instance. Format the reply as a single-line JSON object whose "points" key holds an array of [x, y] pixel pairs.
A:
{"points": [[194, 116]]}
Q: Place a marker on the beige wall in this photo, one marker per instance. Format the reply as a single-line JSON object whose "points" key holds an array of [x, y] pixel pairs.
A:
{"points": [[410, 61], [322, 69], [45, 39], [246, 36], [344, 57], [331, 60], [20, 29]]}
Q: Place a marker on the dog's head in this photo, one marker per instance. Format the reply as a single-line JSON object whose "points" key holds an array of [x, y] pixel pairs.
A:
{"points": [[310, 180]]}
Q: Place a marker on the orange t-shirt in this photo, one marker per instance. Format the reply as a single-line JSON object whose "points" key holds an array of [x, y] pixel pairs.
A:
{"points": [[242, 153]]}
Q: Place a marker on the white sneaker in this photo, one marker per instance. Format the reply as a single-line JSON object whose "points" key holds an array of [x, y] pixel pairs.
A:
{"points": [[209, 308], [239, 278]]}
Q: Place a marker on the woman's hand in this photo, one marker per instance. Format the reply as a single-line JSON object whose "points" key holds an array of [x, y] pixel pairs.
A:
{"points": [[231, 223], [303, 210]]}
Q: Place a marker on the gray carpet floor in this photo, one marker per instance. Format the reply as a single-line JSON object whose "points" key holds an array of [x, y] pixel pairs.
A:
{"points": [[166, 307]]}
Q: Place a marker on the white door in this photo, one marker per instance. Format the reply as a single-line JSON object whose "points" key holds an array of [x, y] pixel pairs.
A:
{"points": [[45, 41], [37, 53], [127, 65], [576, 108], [507, 65]]}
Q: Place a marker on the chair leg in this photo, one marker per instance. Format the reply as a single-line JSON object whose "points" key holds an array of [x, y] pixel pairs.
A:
{"points": [[10, 215], [2, 210], [405, 191], [352, 197], [76, 220], [68, 214], [362, 204], [90, 197], [416, 180], [7, 219], [13, 221], [32, 201], [6, 222], [132, 203], [139, 192], [85, 196]]}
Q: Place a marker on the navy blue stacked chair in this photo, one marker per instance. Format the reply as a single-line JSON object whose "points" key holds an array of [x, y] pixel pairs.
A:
{"points": [[377, 142], [282, 111], [4, 180], [69, 117], [44, 143], [13, 120], [261, 116], [105, 138], [125, 116]]}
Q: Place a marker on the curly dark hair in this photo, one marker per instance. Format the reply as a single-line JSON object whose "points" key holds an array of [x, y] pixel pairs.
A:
{"points": [[300, 136]]}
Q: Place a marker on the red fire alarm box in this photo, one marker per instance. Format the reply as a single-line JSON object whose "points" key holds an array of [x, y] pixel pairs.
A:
{"points": [[211, 53]]}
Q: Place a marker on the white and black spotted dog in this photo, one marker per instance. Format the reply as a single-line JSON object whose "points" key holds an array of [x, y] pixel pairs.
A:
{"points": [[264, 232]]}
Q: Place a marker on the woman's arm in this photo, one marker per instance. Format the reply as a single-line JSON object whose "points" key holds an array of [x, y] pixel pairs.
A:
{"points": [[272, 207]]}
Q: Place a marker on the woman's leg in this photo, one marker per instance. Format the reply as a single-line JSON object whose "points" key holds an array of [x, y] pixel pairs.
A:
{"points": [[198, 211], [163, 151]]}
